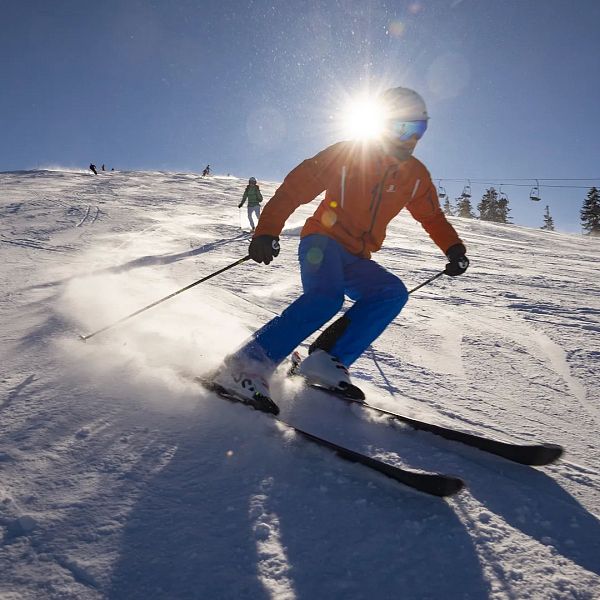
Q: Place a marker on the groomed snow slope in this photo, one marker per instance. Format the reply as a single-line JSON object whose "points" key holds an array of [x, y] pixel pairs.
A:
{"points": [[120, 479]]}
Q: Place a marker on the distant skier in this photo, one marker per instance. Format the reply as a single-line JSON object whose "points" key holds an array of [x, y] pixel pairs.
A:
{"points": [[103, 168], [366, 185], [206, 171], [93, 169], [254, 197]]}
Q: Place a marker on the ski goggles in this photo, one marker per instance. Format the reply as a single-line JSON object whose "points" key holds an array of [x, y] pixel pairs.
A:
{"points": [[404, 130]]}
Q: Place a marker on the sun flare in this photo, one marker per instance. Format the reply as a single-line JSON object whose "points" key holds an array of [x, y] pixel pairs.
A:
{"points": [[363, 119]]}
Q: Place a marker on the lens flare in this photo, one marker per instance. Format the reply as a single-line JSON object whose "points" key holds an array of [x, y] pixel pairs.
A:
{"points": [[396, 28], [315, 256], [364, 118]]}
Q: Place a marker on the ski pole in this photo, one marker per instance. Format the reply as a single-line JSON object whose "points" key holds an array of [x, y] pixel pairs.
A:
{"points": [[187, 287], [426, 282]]}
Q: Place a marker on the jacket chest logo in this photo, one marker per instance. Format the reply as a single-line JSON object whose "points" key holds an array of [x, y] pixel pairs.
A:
{"points": [[391, 188]]}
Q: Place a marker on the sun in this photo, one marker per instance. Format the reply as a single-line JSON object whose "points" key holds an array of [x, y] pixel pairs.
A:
{"points": [[363, 118]]}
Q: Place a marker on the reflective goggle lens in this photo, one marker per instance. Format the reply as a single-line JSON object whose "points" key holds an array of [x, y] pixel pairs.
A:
{"points": [[404, 130]]}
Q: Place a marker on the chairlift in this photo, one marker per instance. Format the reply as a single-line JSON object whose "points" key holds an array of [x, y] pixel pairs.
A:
{"points": [[441, 191], [535, 192], [466, 193]]}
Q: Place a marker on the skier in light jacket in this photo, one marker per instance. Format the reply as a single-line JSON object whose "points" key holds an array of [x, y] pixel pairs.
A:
{"points": [[254, 197], [366, 185]]}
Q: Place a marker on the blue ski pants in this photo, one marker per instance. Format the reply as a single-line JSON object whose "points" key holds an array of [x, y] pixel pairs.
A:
{"points": [[329, 272]]}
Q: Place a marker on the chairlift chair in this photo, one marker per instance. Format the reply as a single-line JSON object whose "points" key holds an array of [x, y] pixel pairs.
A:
{"points": [[535, 192], [466, 193], [441, 191]]}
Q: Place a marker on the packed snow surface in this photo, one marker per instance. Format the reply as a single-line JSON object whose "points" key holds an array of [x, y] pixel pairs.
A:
{"points": [[120, 478]]}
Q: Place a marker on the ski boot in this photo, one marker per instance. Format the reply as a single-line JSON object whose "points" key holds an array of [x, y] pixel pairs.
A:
{"points": [[322, 370], [245, 386]]}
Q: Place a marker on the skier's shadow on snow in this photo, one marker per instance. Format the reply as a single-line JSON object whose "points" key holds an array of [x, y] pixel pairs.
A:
{"points": [[189, 535], [537, 505], [246, 513], [525, 497]]}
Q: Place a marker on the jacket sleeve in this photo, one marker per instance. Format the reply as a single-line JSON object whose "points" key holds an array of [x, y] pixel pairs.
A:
{"points": [[302, 185], [244, 197], [425, 208], [259, 194]]}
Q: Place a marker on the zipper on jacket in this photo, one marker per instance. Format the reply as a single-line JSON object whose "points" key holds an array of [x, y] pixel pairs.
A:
{"points": [[373, 197], [380, 195]]}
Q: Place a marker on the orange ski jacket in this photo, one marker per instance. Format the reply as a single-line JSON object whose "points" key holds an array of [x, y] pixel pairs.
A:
{"points": [[364, 190]]}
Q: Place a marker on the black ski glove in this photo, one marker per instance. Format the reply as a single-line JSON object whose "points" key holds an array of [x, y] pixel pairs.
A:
{"points": [[240, 205], [459, 263], [264, 248]]}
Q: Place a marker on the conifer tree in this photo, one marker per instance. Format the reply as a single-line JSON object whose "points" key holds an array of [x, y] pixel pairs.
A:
{"points": [[463, 207], [590, 212], [548, 220], [502, 211], [447, 208], [488, 206], [493, 207]]}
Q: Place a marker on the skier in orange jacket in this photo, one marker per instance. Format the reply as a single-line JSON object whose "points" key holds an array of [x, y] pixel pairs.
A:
{"points": [[366, 185]]}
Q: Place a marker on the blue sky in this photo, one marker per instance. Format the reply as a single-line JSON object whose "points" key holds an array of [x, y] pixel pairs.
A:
{"points": [[254, 87]]}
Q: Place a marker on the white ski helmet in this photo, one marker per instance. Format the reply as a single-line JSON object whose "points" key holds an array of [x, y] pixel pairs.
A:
{"points": [[404, 104]]}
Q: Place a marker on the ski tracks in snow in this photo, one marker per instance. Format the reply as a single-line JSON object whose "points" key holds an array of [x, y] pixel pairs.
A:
{"points": [[505, 340], [92, 219]]}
